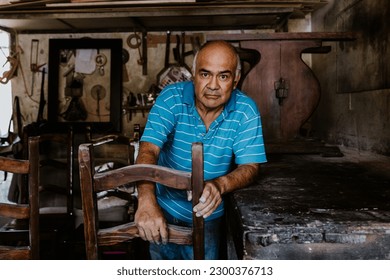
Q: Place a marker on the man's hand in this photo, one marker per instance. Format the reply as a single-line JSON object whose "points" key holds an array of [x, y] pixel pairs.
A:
{"points": [[210, 199], [149, 218], [151, 223]]}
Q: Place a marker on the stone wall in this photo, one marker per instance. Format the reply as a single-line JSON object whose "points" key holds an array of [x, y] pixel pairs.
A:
{"points": [[355, 104]]}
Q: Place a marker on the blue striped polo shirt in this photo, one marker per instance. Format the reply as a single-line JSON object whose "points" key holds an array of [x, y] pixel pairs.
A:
{"points": [[235, 137]]}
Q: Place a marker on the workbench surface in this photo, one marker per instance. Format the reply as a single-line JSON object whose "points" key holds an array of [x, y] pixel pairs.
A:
{"points": [[314, 207]]}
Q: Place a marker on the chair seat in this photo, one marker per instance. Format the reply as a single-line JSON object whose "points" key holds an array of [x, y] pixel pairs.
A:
{"points": [[53, 210], [111, 209], [111, 201]]}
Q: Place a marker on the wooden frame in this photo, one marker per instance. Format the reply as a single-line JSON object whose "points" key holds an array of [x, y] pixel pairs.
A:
{"points": [[92, 183], [85, 83]]}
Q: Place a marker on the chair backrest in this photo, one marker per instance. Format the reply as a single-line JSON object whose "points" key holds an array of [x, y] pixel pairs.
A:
{"points": [[56, 167], [118, 205], [92, 183], [28, 211]]}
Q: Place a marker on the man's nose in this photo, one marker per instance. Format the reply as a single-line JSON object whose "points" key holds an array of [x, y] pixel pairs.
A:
{"points": [[213, 83]]}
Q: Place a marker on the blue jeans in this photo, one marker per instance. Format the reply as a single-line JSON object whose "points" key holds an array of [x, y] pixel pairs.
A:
{"points": [[171, 251]]}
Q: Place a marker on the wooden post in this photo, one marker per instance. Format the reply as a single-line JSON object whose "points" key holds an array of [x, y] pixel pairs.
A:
{"points": [[197, 189]]}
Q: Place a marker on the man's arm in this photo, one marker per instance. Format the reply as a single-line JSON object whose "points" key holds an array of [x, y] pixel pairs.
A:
{"points": [[211, 197], [149, 217]]}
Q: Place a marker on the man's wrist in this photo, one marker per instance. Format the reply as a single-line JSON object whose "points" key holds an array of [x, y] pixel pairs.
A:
{"points": [[221, 184]]}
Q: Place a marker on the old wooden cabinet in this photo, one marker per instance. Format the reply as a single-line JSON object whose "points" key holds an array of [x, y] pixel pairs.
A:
{"points": [[284, 87]]}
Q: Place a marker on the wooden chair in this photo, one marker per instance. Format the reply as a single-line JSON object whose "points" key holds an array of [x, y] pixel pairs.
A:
{"points": [[13, 239], [93, 183], [10, 145], [56, 152], [118, 204]]}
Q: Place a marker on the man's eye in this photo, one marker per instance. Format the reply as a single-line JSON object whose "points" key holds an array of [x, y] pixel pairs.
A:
{"points": [[204, 75], [223, 77]]}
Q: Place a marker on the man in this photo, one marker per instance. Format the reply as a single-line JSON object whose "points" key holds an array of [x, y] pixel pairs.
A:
{"points": [[211, 110]]}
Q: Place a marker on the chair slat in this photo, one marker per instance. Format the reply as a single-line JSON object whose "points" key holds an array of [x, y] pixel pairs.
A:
{"points": [[12, 253], [11, 165], [129, 174], [122, 233], [15, 211]]}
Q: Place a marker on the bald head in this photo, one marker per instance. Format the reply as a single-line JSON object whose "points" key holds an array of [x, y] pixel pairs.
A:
{"points": [[217, 48]]}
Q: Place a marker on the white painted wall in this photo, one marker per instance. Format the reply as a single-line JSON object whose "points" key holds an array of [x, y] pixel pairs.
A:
{"points": [[5, 89]]}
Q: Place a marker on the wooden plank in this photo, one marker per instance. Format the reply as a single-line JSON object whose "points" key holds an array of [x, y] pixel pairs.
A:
{"points": [[324, 36], [125, 232], [116, 3], [147, 11], [28, 4]]}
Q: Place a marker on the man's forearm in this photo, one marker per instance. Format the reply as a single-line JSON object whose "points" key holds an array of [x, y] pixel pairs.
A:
{"points": [[148, 153], [146, 193], [239, 178], [149, 218]]}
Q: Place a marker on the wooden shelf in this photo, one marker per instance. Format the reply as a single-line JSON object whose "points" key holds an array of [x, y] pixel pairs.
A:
{"points": [[103, 16]]}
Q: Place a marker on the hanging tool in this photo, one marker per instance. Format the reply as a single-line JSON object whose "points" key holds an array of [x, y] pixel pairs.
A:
{"points": [[183, 48], [34, 56], [176, 50], [34, 67], [144, 54], [42, 101], [182, 55], [100, 61], [132, 102], [98, 93], [14, 63], [20, 51], [166, 59], [134, 41], [125, 59], [141, 103]]}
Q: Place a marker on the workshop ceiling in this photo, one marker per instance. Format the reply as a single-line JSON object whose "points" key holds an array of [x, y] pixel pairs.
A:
{"points": [[55, 16]]}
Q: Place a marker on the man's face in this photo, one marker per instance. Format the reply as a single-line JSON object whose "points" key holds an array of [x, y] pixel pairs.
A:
{"points": [[215, 77]]}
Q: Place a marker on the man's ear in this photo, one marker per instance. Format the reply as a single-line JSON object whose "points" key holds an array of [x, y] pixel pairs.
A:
{"points": [[236, 80]]}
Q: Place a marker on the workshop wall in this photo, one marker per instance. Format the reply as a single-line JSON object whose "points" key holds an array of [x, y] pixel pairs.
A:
{"points": [[355, 105], [27, 84]]}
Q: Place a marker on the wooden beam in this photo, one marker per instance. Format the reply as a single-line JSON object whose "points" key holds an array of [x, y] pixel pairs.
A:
{"points": [[323, 36]]}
